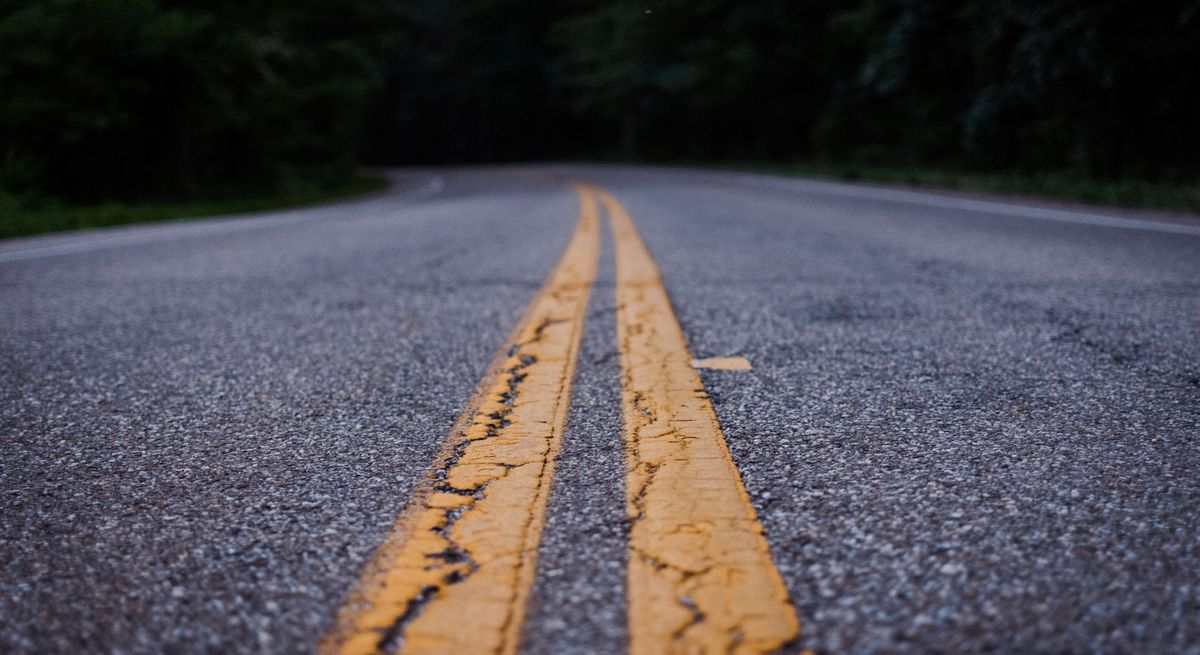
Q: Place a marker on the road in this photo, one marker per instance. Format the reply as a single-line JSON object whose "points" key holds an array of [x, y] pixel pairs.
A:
{"points": [[967, 424]]}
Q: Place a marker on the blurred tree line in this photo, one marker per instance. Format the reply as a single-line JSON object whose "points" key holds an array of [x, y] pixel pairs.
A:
{"points": [[123, 98], [162, 98]]}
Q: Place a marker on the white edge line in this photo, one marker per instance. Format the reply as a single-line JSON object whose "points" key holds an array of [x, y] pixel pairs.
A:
{"points": [[966, 204], [225, 224]]}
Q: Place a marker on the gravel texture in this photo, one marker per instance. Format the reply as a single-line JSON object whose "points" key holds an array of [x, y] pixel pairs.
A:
{"points": [[206, 436], [962, 433], [578, 601], [964, 430]]}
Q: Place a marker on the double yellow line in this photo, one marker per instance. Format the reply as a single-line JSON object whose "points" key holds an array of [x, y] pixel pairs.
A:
{"points": [[456, 572]]}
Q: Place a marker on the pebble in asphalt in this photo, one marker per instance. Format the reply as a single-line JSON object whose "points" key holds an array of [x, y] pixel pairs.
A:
{"points": [[960, 435], [205, 438], [961, 432], [578, 601]]}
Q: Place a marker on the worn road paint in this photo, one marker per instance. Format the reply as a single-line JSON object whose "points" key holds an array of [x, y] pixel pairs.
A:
{"points": [[723, 363], [700, 574], [456, 575]]}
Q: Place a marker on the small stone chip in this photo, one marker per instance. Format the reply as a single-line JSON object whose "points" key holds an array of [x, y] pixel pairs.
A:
{"points": [[723, 363]]}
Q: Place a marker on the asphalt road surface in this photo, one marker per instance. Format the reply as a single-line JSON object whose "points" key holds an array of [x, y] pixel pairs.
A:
{"points": [[969, 425]]}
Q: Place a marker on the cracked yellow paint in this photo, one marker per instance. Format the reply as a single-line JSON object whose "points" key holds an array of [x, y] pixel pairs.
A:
{"points": [[700, 574], [723, 363], [455, 575]]}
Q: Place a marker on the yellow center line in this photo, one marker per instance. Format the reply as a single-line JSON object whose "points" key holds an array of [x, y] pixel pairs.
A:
{"points": [[455, 574], [700, 574]]}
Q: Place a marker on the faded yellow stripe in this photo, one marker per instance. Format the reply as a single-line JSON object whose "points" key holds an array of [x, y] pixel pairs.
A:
{"points": [[700, 574], [455, 575]]}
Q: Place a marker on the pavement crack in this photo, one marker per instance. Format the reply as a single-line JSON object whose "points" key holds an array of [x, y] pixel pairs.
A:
{"points": [[458, 571], [638, 498], [697, 617], [393, 637], [700, 573], [454, 556]]}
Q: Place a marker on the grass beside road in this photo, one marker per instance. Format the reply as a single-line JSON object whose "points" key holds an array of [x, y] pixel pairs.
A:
{"points": [[16, 220], [1121, 193]]}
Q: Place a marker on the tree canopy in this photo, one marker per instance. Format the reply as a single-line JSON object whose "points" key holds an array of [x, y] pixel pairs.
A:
{"points": [[123, 98]]}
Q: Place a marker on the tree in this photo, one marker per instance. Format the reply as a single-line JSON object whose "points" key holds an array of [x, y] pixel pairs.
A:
{"points": [[121, 98]]}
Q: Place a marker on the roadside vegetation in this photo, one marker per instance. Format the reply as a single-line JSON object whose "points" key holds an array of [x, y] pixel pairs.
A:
{"points": [[123, 102], [55, 216], [118, 111]]}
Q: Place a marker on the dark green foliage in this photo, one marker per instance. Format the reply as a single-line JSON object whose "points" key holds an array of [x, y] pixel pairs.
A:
{"points": [[52, 216], [119, 99], [469, 83], [1104, 89]]}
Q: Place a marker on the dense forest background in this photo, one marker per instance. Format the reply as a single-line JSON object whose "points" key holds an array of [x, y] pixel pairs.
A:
{"points": [[103, 99]]}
